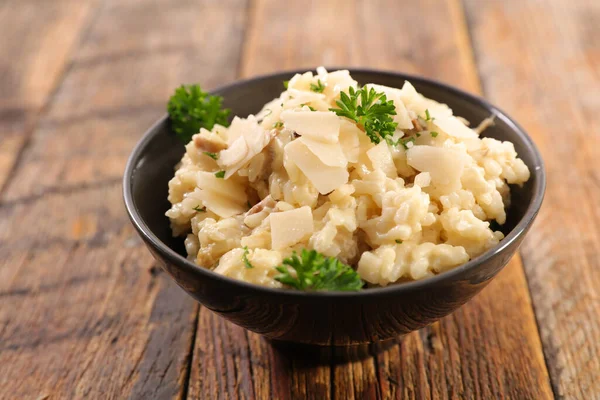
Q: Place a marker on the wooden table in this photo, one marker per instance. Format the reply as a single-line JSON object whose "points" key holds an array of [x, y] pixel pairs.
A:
{"points": [[85, 312]]}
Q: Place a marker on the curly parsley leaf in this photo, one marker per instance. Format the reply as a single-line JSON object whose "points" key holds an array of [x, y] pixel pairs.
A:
{"points": [[374, 112], [314, 271], [319, 87], [245, 260], [190, 108]]}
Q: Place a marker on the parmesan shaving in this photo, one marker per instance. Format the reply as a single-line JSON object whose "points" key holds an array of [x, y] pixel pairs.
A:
{"points": [[323, 126], [323, 177], [330, 154], [290, 227]]}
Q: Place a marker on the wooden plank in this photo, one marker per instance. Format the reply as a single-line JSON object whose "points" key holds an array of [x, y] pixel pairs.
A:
{"points": [[34, 62], [541, 62], [490, 348], [85, 311]]}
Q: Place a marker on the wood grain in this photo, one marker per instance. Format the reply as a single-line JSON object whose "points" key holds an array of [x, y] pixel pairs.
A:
{"points": [[32, 64], [85, 311], [488, 349], [541, 62]]}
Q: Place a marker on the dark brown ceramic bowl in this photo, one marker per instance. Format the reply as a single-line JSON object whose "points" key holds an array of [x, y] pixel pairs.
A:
{"points": [[327, 318]]}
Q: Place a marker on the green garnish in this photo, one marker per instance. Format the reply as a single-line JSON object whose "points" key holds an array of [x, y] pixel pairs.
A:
{"points": [[190, 109], [433, 133], [214, 156], [285, 84], [428, 116], [278, 125], [249, 205], [404, 142], [247, 263], [198, 209], [398, 241], [374, 113], [220, 174], [309, 107], [314, 271], [319, 87]]}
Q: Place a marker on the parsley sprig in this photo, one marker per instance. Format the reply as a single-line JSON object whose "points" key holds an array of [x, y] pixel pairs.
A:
{"points": [[314, 271], [190, 108], [318, 87], [374, 112]]}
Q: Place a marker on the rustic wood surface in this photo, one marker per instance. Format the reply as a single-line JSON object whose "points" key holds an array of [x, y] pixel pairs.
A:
{"points": [[86, 313]]}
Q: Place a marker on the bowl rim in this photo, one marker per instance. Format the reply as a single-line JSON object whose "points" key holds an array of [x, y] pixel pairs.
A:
{"points": [[519, 230]]}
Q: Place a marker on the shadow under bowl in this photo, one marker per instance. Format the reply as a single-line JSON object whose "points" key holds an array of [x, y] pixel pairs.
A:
{"points": [[326, 318]]}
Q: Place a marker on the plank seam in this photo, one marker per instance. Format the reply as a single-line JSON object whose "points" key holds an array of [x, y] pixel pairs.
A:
{"points": [[42, 111], [551, 382], [188, 370], [53, 190], [475, 58], [248, 26], [248, 347]]}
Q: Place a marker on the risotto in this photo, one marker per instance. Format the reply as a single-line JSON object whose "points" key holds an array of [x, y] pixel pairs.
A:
{"points": [[306, 173]]}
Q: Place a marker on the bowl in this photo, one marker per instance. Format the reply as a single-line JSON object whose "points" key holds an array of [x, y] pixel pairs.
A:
{"points": [[325, 318]]}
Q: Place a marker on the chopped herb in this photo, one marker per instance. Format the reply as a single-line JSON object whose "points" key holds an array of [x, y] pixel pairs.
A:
{"points": [[428, 116], [314, 271], [214, 156], [404, 142], [249, 205], [278, 125], [190, 108], [285, 84], [245, 258], [391, 141], [309, 107], [220, 174], [319, 87], [198, 209], [398, 241], [433, 133], [418, 134], [374, 114]]}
